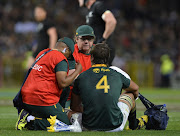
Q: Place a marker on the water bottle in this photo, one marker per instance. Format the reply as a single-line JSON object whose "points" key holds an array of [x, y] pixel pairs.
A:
{"points": [[163, 108]]}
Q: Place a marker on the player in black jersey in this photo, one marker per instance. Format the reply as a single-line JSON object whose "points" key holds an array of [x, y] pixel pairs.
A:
{"points": [[102, 21], [46, 32], [97, 93]]}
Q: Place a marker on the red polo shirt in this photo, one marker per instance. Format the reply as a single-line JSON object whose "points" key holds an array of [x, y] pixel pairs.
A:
{"points": [[84, 59], [41, 88]]}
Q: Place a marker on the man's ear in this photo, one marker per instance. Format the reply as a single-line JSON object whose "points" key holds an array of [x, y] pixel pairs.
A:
{"points": [[75, 39]]}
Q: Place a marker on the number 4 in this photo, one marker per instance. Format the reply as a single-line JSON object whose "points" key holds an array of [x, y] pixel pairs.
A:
{"points": [[104, 86]]}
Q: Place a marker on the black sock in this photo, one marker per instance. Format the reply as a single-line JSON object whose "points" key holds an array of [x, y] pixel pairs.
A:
{"points": [[133, 122]]}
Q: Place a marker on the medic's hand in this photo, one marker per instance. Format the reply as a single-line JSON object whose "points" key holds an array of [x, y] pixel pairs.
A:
{"points": [[78, 67]]}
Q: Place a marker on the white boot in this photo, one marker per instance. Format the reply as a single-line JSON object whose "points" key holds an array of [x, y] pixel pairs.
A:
{"points": [[58, 126], [76, 116], [76, 127]]}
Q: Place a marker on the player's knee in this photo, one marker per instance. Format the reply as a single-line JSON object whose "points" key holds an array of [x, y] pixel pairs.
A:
{"points": [[128, 99], [131, 95]]}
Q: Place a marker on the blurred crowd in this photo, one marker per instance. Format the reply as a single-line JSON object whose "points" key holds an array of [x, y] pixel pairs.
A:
{"points": [[144, 31]]}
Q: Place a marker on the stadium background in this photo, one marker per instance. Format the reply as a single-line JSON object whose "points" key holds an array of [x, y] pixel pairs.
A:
{"points": [[146, 29]]}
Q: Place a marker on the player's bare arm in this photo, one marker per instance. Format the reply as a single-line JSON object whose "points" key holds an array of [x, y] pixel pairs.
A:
{"points": [[76, 104], [64, 80], [133, 88], [52, 37], [110, 23]]}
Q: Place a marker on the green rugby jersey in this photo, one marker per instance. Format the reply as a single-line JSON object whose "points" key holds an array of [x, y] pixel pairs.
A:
{"points": [[99, 88]]}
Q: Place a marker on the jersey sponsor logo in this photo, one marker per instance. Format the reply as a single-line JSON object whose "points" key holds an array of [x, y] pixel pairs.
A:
{"points": [[96, 70], [104, 70], [37, 67]]}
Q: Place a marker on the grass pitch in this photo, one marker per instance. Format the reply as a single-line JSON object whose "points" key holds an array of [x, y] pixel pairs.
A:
{"points": [[8, 115]]}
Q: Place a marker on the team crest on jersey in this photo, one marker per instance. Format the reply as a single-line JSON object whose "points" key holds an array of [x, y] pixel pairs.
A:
{"points": [[89, 16], [96, 70]]}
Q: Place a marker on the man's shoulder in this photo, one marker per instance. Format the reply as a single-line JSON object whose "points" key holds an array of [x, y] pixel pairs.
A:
{"points": [[98, 7], [85, 73], [41, 52], [48, 23], [75, 53], [120, 71], [97, 3], [76, 49], [56, 56]]}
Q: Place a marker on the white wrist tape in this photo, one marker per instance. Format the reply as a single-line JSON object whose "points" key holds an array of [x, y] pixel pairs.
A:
{"points": [[64, 50], [103, 15]]}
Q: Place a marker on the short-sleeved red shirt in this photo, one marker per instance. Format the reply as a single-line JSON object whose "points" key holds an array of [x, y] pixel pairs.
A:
{"points": [[41, 87], [84, 59]]}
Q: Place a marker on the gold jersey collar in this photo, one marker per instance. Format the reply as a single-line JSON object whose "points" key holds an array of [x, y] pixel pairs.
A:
{"points": [[99, 65]]}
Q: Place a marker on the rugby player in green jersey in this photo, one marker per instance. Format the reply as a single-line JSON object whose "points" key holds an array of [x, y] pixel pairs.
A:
{"points": [[98, 95]]}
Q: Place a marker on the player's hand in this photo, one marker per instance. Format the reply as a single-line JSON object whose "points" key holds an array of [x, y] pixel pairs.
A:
{"points": [[78, 67], [102, 40]]}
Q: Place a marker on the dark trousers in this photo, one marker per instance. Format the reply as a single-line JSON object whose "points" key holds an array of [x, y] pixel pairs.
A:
{"points": [[110, 44], [112, 55], [41, 114], [165, 80]]}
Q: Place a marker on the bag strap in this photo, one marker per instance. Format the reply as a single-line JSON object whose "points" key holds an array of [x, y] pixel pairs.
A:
{"points": [[33, 66], [17, 101], [145, 101]]}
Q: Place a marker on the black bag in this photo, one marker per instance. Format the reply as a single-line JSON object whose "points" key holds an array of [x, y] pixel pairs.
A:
{"points": [[157, 115], [64, 96], [17, 101]]}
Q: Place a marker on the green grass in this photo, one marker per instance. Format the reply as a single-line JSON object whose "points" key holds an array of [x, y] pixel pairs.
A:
{"points": [[8, 115]]}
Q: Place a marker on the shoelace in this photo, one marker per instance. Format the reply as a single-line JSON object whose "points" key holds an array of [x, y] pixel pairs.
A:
{"points": [[23, 119]]}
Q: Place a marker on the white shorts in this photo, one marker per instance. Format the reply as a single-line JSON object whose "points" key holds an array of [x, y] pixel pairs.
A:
{"points": [[125, 111]]}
